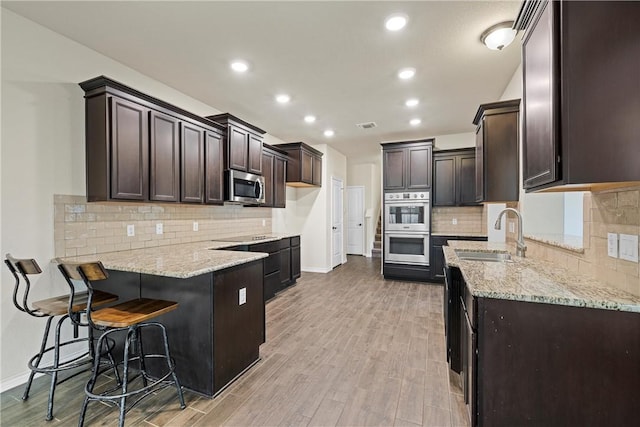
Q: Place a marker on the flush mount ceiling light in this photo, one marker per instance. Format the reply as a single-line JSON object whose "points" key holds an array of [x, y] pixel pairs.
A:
{"points": [[406, 73], [415, 122], [329, 133], [309, 119], [283, 98], [498, 36], [239, 66], [396, 22], [412, 102]]}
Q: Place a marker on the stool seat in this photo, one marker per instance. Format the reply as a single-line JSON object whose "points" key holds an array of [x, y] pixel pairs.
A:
{"points": [[132, 312], [58, 306]]}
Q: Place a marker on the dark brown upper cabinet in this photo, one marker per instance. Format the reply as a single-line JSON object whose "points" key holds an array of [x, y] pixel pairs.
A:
{"points": [[497, 170], [274, 164], [407, 165], [454, 177], [244, 144], [141, 148], [304, 166], [164, 158], [192, 164], [214, 168], [581, 63]]}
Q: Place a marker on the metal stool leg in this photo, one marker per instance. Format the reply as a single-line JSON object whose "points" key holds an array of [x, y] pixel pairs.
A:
{"points": [[142, 366], [43, 346], [125, 375], [54, 374], [171, 366], [94, 375]]}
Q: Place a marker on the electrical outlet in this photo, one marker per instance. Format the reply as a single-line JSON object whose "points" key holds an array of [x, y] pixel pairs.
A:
{"points": [[131, 230], [195, 226], [159, 228], [629, 247], [242, 296], [454, 221], [264, 222], [512, 227], [612, 245]]}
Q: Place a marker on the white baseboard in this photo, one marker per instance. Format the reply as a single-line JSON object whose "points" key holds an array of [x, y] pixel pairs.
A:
{"points": [[316, 270]]}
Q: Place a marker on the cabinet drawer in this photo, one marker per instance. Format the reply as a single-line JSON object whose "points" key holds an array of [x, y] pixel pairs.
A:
{"points": [[285, 243], [469, 305], [268, 247]]}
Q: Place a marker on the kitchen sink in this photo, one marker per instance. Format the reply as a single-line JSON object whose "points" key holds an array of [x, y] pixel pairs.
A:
{"points": [[483, 256]]}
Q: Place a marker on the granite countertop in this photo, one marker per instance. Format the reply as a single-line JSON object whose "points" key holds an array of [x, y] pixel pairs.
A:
{"points": [[564, 241], [459, 234], [181, 261], [527, 279]]}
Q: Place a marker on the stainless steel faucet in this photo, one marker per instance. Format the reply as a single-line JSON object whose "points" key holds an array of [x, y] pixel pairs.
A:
{"points": [[521, 248]]}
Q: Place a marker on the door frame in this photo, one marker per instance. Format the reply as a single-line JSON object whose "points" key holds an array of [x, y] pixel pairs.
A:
{"points": [[336, 180]]}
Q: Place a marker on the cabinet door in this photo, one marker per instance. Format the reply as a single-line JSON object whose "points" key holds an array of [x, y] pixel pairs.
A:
{"points": [[267, 173], [480, 163], [295, 262], [279, 183], [419, 168], [238, 148], [129, 150], [444, 177], [393, 169], [192, 164], [285, 267], [306, 167], [540, 155], [465, 183], [214, 170], [164, 144], [317, 170], [255, 155]]}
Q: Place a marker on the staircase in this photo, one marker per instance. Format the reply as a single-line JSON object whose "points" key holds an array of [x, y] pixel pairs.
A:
{"points": [[376, 251]]}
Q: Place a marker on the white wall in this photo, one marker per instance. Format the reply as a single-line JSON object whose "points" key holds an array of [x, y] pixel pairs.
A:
{"points": [[42, 154], [455, 140]]}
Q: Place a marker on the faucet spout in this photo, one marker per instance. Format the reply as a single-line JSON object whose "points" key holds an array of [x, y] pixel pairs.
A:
{"points": [[521, 248]]}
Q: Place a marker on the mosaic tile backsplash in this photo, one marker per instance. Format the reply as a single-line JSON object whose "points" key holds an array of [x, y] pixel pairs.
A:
{"points": [[83, 228]]}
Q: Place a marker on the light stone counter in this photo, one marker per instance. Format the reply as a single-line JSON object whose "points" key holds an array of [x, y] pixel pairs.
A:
{"points": [[526, 279], [458, 234], [179, 261]]}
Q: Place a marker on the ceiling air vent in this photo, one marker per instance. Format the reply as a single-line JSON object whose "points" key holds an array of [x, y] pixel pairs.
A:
{"points": [[367, 125]]}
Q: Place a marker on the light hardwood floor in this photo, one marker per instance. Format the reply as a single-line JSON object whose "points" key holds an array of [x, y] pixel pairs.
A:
{"points": [[345, 348]]}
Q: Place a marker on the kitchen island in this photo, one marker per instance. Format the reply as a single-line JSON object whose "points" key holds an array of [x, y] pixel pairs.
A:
{"points": [[539, 345], [216, 332]]}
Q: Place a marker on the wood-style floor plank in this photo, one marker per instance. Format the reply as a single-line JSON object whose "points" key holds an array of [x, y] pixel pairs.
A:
{"points": [[346, 348]]}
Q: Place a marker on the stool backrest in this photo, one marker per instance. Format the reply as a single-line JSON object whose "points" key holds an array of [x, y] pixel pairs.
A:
{"points": [[24, 266], [86, 272]]}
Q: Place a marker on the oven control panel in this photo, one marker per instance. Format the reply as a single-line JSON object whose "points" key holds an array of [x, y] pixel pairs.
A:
{"points": [[406, 196]]}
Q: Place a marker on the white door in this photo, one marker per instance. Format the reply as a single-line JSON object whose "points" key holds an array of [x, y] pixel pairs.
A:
{"points": [[355, 220], [336, 222]]}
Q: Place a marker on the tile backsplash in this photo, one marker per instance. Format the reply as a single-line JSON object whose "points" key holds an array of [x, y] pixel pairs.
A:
{"points": [[616, 211], [468, 220], [83, 228]]}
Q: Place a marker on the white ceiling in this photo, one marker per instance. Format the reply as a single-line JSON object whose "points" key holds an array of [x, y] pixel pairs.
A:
{"points": [[335, 59]]}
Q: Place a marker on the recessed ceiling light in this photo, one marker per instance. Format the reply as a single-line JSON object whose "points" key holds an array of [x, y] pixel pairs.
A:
{"points": [[396, 22], [406, 73], [239, 66], [412, 102], [283, 98], [309, 119], [329, 133], [415, 122]]}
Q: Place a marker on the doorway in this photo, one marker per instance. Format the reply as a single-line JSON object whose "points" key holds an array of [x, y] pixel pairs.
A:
{"points": [[336, 221], [355, 220]]}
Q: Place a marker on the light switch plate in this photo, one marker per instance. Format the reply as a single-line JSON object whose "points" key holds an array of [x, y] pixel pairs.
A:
{"points": [[454, 221], [242, 296], [612, 245], [159, 228], [131, 230], [195, 226], [629, 247]]}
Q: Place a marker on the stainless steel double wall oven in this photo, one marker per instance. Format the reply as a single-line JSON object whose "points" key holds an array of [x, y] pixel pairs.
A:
{"points": [[406, 228]]}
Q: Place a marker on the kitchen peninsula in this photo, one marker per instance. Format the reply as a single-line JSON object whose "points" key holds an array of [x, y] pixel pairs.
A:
{"points": [[216, 332]]}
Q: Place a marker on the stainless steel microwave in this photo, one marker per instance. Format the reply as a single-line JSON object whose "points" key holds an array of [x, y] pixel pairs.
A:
{"points": [[245, 188]]}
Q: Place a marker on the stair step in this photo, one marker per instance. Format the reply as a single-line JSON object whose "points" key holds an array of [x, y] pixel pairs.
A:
{"points": [[377, 244], [379, 236], [376, 253]]}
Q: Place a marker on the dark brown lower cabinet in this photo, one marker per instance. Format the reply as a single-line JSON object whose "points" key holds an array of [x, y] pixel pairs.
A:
{"points": [[203, 331], [538, 364], [295, 258]]}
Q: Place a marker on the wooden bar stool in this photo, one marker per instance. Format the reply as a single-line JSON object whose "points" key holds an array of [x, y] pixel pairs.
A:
{"points": [[69, 306], [126, 317]]}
